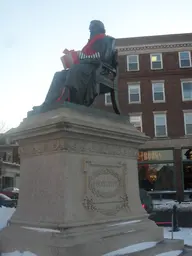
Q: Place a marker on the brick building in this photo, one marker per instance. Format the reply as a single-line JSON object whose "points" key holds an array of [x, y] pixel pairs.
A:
{"points": [[155, 91]]}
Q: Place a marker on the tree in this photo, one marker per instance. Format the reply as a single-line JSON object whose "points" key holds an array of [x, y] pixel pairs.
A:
{"points": [[3, 127]]}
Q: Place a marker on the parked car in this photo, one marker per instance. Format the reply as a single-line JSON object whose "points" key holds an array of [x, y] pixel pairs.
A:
{"points": [[146, 201], [11, 192], [7, 201]]}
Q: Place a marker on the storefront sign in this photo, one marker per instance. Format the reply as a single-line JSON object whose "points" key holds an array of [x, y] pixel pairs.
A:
{"points": [[155, 155]]}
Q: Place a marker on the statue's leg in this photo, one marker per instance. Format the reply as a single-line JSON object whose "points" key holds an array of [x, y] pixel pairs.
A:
{"points": [[73, 95], [115, 102], [56, 87]]}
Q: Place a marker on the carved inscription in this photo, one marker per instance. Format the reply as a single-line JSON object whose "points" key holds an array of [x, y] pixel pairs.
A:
{"points": [[105, 183], [76, 146], [105, 188]]}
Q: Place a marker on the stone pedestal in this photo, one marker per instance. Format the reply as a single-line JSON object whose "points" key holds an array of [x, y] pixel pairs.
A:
{"points": [[79, 190]]}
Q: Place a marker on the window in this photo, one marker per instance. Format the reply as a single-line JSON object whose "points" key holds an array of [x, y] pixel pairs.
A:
{"points": [[108, 99], [188, 122], [133, 62], [156, 61], [160, 124], [185, 59], [156, 176], [136, 120], [134, 93], [158, 91], [186, 90]]}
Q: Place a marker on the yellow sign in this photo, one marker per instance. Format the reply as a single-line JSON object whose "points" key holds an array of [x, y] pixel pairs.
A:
{"points": [[149, 156]]}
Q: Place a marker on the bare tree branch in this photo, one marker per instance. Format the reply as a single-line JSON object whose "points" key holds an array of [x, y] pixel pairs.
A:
{"points": [[3, 127]]}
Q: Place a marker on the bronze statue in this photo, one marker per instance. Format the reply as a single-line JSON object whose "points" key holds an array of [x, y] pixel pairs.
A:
{"points": [[93, 72]]}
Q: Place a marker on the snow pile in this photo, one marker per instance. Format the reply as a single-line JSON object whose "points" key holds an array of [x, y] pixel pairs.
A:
{"points": [[125, 223], [184, 234], [17, 253], [163, 201], [172, 253], [5, 215], [43, 229], [132, 248], [168, 206]]}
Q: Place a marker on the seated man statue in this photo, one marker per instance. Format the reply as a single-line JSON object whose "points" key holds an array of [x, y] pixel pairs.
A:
{"points": [[78, 83]]}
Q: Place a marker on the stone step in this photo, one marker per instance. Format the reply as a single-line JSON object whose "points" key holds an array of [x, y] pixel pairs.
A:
{"points": [[166, 246], [187, 251]]}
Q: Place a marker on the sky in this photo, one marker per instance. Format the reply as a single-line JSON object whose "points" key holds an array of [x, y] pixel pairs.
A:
{"points": [[34, 33]]}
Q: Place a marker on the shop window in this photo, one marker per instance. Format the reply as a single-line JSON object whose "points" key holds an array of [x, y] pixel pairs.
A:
{"points": [[156, 170], [187, 168], [157, 176]]}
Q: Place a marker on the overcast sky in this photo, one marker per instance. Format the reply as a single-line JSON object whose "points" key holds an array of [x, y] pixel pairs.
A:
{"points": [[34, 33]]}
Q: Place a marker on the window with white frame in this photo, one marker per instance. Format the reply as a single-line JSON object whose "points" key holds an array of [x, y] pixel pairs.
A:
{"points": [[186, 90], [188, 122], [108, 99], [134, 93], [185, 59], [136, 120], [156, 61], [160, 124], [133, 62], [158, 90]]}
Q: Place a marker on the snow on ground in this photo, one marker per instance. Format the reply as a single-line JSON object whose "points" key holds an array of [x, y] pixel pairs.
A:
{"points": [[17, 253], [163, 201], [5, 215], [43, 229], [165, 205], [172, 253], [125, 223], [184, 234], [132, 248]]}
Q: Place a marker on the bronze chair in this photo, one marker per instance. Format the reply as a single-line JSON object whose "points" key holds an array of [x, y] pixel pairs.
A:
{"points": [[107, 74]]}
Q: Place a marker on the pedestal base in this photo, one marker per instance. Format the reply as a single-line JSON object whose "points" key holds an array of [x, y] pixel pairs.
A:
{"points": [[92, 240], [79, 177]]}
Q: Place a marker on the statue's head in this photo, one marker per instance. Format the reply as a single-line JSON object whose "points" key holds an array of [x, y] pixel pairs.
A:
{"points": [[96, 27]]}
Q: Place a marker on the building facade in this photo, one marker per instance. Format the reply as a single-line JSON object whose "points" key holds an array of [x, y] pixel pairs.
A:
{"points": [[9, 164], [155, 91]]}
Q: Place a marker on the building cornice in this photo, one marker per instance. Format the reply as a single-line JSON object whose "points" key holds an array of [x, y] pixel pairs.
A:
{"points": [[11, 164], [154, 48]]}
